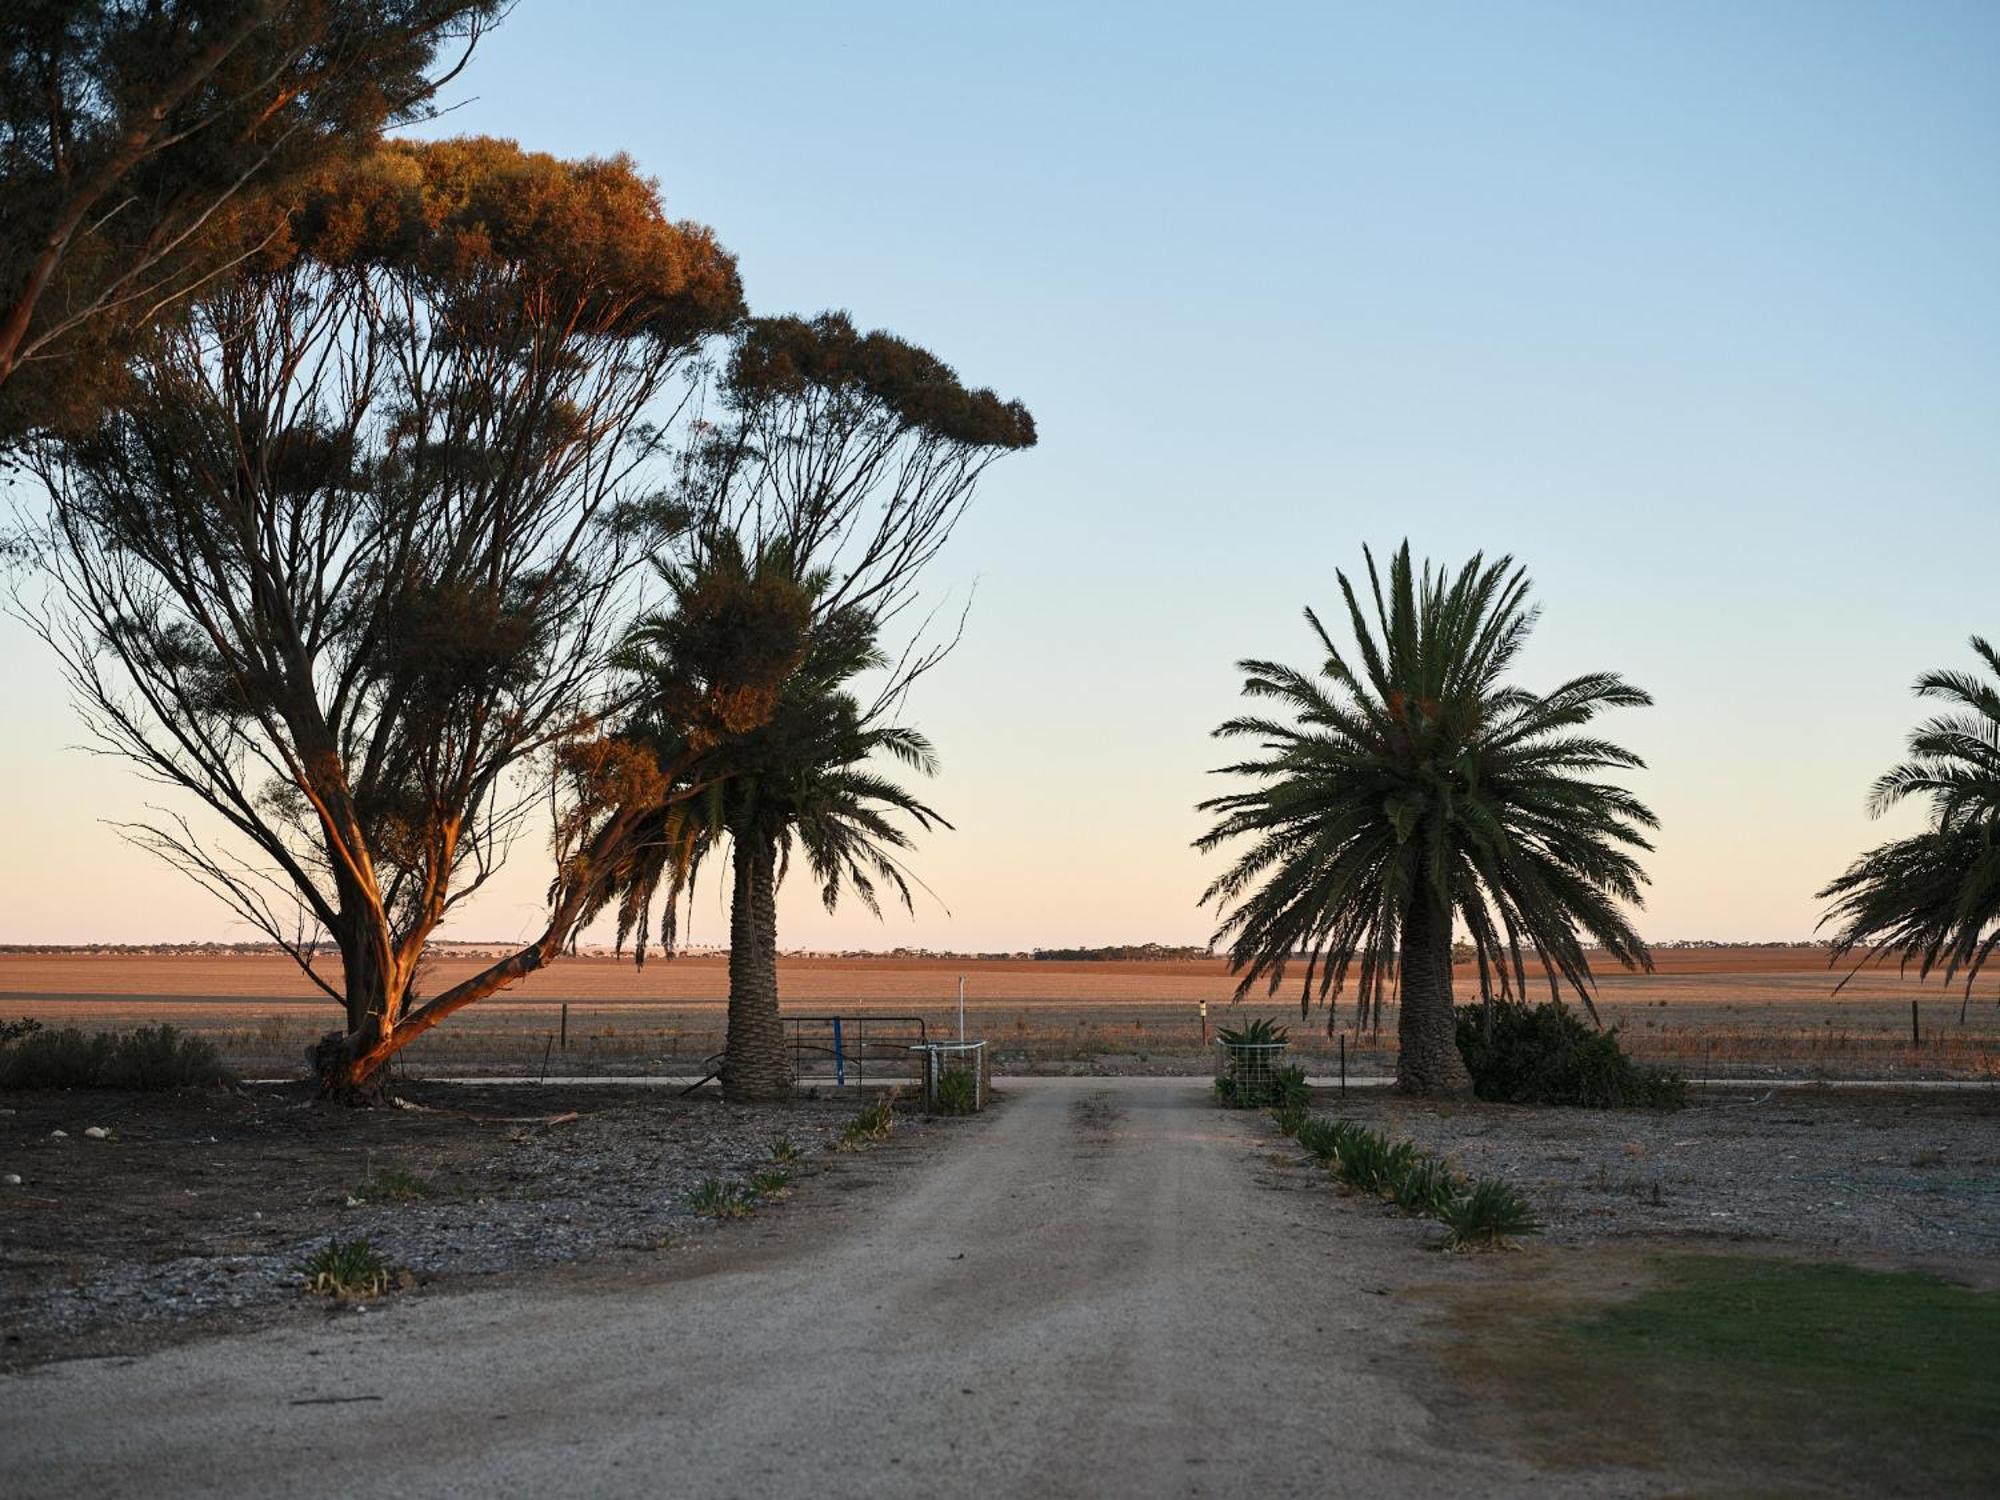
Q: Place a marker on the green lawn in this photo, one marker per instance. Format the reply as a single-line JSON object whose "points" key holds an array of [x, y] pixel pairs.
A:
{"points": [[1749, 1374]]}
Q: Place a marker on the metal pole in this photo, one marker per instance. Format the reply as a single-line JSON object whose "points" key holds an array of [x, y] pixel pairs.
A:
{"points": [[961, 1007], [1343, 1065], [1915, 1039], [565, 1026]]}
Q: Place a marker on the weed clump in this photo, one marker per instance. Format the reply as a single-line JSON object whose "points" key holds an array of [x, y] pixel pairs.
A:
{"points": [[393, 1185], [713, 1198], [150, 1059], [1550, 1054], [347, 1268], [874, 1122]]}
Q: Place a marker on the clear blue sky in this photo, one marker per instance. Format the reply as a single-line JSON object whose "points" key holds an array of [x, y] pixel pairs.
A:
{"points": [[1693, 308]]}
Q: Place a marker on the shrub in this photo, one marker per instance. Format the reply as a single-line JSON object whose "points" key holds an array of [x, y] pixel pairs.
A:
{"points": [[1290, 1118], [346, 1268], [1366, 1159], [13, 1031], [956, 1092], [1489, 1217], [1250, 1078], [151, 1058], [1551, 1054], [713, 1198], [1289, 1089]]}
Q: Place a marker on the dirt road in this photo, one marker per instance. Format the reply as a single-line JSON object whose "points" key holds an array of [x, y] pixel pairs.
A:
{"points": [[1089, 1295]]}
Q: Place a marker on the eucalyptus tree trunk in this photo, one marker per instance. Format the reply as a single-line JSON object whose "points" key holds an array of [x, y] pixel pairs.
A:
{"points": [[1428, 1061], [754, 1065]]}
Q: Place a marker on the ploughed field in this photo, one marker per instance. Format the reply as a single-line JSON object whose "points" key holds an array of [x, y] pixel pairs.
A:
{"points": [[1708, 1011]]}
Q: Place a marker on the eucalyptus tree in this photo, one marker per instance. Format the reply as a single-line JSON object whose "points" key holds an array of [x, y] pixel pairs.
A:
{"points": [[1408, 783], [358, 543], [140, 144], [1933, 899]]}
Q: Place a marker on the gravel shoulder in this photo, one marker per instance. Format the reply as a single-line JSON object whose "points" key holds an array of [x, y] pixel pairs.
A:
{"points": [[1911, 1178], [193, 1214]]}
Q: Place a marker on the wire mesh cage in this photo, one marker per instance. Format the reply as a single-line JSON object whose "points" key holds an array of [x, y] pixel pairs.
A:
{"points": [[1247, 1073], [956, 1077]]}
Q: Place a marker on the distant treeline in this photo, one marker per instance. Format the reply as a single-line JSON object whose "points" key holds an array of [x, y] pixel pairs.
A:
{"points": [[1129, 953]]}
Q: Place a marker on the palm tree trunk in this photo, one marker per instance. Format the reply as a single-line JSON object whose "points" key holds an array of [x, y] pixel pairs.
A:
{"points": [[1428, 1062], [754, 1066]]}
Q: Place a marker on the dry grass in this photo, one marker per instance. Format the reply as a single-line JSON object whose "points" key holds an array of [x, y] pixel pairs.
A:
{"points": [[1706, 1011]]}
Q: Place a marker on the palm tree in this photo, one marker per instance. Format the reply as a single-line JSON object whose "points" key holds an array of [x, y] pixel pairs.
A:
{"points": [[801, 782], [1934, 899], [1414, 784]]}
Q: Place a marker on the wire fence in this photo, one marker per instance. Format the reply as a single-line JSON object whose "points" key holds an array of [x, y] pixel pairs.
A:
{"points": [[1246, 1073]]}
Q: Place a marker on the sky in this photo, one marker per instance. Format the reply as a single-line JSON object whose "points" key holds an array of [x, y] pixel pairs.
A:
{"points": [[1692, 309]]}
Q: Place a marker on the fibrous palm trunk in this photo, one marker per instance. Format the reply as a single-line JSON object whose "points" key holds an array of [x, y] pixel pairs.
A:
{"points": [[754, 1066], [1428, 1062]]}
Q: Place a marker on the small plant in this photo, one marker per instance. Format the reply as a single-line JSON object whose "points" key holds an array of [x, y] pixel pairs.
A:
{"points": [[1425, 1185], [1489, 1217], [873, 1122], [1364, 1160], [1290, 1119], [394, 1186], [785, 1151], [956, 1092], [1321, 1139], [1261, 1032], [713, 1198], [771, 1182], [346, 1268], [1289, 1089]]}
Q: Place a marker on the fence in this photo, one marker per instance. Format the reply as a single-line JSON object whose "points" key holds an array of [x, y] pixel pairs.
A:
{"points": [[1246, 1073]]}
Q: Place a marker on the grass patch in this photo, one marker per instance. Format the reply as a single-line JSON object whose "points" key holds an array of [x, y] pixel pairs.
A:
{"points": [[347, 1268], [785, 1151], [150, 1059], [1756, 1371]]}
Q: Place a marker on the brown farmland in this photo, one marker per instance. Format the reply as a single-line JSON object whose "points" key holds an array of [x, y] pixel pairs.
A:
{"points": [[1705, 1010]]}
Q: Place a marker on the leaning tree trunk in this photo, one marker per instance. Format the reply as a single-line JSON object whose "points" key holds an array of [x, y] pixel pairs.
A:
{"points": [[1428, 1062], [754, 1066]]}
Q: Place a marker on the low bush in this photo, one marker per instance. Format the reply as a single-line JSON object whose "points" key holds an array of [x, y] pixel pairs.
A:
{"points": [[13, 1031], [1551, 1054], [153, 1058], [956, 1092], [1489, 1217], [347, 1268]]}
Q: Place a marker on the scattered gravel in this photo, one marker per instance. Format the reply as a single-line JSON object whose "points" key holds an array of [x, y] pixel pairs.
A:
{"points": [[197, 1205], [1896, 1175]]}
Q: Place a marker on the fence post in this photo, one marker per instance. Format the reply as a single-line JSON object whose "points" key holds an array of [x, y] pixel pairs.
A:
{"points": [[839, 1057], [565, 1026]]}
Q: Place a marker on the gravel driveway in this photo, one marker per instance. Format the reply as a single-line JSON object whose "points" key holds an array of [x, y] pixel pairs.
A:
{"points": [[1087, 1293]]}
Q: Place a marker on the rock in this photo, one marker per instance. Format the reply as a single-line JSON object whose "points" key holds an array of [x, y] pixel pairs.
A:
{"points": [[12, 1179], [58, 1135], [98, 1133]]}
